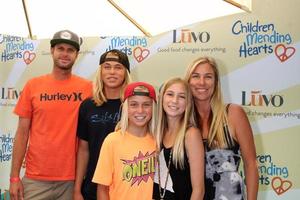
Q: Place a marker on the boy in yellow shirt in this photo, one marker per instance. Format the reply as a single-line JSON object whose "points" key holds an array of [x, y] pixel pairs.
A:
{"points": [[126, 164]]}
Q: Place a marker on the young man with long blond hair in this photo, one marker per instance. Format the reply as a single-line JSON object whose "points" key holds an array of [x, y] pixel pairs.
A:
{"points": [[98, 116]]}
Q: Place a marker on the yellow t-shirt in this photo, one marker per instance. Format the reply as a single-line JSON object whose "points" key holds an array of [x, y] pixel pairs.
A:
{"points": [[127, 165]]}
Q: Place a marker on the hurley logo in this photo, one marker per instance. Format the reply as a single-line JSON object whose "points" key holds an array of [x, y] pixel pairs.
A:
{"points": [[61, 97]]}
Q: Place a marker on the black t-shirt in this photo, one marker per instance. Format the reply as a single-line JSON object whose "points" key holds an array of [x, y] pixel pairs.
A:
{"points": [[180, 179], [94, 124]]}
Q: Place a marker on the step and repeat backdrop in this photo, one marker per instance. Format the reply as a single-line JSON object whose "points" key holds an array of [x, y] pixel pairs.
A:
{"points": [[259, 60]]}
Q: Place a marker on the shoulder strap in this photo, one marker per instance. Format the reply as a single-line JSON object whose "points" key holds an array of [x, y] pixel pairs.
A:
{"points": [[228, 138]]}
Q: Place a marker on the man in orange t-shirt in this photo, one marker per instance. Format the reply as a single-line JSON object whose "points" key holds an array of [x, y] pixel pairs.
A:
{"points": [[48, 111]]}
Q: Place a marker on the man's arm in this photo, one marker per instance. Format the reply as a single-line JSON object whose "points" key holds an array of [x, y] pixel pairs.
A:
{"points": [[19, 150], [81, 167], [102, 192]]}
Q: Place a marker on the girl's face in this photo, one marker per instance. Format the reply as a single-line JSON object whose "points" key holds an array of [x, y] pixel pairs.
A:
{"points": [[174, 100], [202, 82], [139, 111]]}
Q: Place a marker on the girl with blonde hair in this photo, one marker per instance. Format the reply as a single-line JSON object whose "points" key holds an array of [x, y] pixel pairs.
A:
{"points": [[180, 169]]}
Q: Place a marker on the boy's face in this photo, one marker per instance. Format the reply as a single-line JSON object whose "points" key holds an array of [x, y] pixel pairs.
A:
{"points": [[139, 111], [112, 74]]}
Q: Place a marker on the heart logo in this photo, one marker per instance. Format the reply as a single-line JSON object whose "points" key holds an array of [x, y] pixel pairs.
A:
{"points": [[28, 57], [140, 54], [281, 186], [283, 53]]}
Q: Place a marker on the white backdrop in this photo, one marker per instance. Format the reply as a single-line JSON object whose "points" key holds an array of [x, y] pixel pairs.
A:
{"points": [[259, 63]]}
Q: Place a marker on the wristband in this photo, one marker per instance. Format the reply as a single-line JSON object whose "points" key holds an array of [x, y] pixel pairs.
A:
{"points": [[14, 179]]}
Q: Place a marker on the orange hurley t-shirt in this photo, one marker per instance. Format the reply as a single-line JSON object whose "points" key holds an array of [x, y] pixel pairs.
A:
{"points": [[127, 165], [52, 105]]}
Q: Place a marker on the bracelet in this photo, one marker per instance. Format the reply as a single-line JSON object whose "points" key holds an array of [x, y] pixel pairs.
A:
{"points": [[14, 179]]}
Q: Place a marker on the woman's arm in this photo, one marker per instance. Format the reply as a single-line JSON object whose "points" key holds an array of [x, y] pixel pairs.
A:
{"points": [[242, 132], [195, 152]]}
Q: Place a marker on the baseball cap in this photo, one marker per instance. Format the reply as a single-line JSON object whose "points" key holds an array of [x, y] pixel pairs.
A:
{"points": [[130, 90], [115, 55], [66, 36]]}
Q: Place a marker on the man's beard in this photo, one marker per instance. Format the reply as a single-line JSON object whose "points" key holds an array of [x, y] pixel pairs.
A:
{"points": [[64, 67]]}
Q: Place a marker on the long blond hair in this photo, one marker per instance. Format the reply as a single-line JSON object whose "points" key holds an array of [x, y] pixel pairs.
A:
{"points": [[216, 136], [186, 121], [98, 87]]}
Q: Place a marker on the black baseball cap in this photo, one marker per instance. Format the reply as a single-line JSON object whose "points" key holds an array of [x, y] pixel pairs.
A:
{"points": [[115, 55], [66, 36]]}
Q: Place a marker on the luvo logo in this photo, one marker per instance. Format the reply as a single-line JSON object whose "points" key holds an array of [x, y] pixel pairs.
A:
{"points": [[256, 98], [187, 36], [9, 93]]}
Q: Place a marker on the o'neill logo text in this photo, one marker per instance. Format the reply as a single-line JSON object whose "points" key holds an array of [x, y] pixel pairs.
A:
{"points": [[140, 168], [256, 98], [61, 97]]}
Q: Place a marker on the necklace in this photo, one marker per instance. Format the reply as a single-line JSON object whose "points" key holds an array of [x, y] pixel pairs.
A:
{"points": [[163, 192]]}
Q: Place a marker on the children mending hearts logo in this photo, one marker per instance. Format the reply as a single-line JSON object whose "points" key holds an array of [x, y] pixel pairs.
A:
{"points": [[140, 54], [28, 57], [280, 186], [283, 53]]}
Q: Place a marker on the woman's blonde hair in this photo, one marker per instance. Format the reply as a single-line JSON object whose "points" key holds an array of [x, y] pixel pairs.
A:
{"points": [[98, 87], [124, 122], [216, 136], [186, 121]]}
